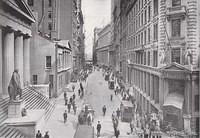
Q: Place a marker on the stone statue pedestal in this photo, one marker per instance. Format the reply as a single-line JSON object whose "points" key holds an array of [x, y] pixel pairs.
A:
{"points": [[15, 108], [187, 119]]}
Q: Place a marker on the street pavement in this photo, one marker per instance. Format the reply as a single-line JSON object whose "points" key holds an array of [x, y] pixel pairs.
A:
{"points": [[55, 125], [97, 94]]}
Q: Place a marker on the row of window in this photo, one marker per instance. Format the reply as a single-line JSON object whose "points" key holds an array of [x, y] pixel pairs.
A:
{"points": [[31, 3], [136, 21], [143, 37], [142, 57], [143, 81]]}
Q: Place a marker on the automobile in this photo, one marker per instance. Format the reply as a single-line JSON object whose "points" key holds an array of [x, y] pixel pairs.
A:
{"points": [[88, 108], [85, 111], [127, 111]]}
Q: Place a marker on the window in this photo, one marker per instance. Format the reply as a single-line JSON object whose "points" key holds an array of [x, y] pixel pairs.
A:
{"points": [[175, 55], [176, 28], [145, 16], [197, 125], [34, 79], [148, 58], [176, 3], [149, 35], [50, 3], [196, 103], [155, 58], [155, 4], [48, 61], [145, 37], [149, 13], [51, 81], [155, 33], [142, 38], [142, 19], [144, 58], [30, 2], [49, 15], [50, 26]]}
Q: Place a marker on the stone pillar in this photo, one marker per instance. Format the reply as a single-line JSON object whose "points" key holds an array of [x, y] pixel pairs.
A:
{"points": [[26, 50], [18, 55], [8, 58], [1, 61]]}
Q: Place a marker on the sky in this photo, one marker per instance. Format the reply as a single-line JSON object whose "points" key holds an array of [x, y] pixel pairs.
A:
{"points": [[96, 13]]}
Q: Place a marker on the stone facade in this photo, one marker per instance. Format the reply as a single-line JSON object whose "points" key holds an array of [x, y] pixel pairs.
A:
{"points": [[102, 48], [55, 63], [15, 33], [159, 42], [62, 20]]}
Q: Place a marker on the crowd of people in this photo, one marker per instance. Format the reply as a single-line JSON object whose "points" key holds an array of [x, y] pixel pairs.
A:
{"points": [[143, 124]]}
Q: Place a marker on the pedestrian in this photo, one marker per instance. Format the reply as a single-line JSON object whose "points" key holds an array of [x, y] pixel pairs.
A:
{"points": [[73, 87], [65, 116], [111, 97], [69, 107], [74, 108], [74, 96], [46, 135], [65, 95], [118, 113], [38, 135], [79, 92], [70, 100], [117, 133], [115, 91], [66, 101], [113, 116], [81, 86], [104, 110], [98, 129], [131, 126]]}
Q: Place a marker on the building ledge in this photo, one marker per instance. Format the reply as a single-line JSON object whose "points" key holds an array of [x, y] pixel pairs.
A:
{"points": [[63, 69], [178, 11]]}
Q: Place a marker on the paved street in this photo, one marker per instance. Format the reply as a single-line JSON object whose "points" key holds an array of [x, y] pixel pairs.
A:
{"points": [[97, 94], [55, 125]]}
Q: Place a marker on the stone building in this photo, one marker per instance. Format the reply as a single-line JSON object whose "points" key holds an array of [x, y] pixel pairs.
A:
{"points": [[15, 34], [115, 35], [102, 48], [95, 44], [61, 20], [53, 71], [159, 42], [78, 36]]}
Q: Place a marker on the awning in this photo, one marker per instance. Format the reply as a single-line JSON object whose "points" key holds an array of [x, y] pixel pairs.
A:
{"points": [[174, 99]]}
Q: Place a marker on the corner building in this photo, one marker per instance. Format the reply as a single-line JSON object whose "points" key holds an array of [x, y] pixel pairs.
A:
{"points": [[159, 58]]}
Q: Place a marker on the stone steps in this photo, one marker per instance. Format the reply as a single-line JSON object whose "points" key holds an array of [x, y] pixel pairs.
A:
{"points": [[8, 132], [33, 100]]}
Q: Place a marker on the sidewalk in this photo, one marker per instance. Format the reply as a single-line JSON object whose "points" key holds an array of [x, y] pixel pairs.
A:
{"points": [[55, 124]]}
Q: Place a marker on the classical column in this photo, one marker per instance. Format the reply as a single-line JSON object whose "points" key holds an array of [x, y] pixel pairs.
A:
{"points": [[8, 58], [26, 50], [1, 61], [18, 54]]}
